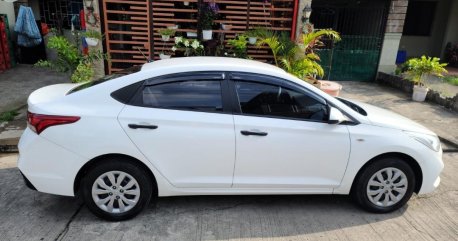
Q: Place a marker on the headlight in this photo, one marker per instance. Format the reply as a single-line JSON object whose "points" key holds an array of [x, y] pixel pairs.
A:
{"points": [[430, 141]]}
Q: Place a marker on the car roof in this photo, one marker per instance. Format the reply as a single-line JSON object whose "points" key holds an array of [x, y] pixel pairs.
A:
{"points": [[222, 63]]}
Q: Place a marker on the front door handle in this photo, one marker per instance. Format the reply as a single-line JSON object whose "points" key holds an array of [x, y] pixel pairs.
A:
{"points": [[253, 133], [137, 126]]}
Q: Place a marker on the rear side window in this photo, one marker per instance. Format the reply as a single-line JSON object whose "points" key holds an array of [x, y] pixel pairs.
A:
{"points": [[195, 95], [277, 101], [106, 78]]}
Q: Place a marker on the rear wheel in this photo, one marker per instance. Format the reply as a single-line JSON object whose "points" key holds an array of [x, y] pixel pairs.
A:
{"points": [[385, 185], [117, 190]]}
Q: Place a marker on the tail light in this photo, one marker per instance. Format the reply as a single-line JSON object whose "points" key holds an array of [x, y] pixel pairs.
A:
{"points": [[39, 123]]}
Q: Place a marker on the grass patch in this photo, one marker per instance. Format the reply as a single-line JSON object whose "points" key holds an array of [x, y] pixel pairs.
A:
{"points": [[8, 116], [452, 79]]}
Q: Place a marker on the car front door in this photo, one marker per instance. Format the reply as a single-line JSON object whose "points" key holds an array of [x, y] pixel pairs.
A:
{"points": [[283, 139], [181, 125]]}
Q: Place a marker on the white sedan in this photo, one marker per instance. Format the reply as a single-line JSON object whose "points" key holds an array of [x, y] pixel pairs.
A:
{"points": [[218, 126]]}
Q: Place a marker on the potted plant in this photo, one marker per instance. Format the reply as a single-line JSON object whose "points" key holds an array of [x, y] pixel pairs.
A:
{"points": [[190, 47], [226, 26], [166, 33], [163, 55], [208, 12], [252, 36], [238, 46], [300, 59], [71, 60], [92, 37], [418, 70]]}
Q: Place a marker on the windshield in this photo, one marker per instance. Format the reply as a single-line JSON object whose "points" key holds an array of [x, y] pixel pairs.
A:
{"points": [[354, 106], [105, 78]]}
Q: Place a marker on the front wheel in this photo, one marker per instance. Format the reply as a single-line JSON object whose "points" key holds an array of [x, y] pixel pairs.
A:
{"points": [[385, 185], [116, 190]]}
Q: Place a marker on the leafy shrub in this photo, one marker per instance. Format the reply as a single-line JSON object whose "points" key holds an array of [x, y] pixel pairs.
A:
{"points": [[419, 68], [71, 60], [92, 34]]}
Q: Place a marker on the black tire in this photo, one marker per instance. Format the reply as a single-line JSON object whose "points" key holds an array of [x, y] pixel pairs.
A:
{"points": [[147, 189], [359, 190]]}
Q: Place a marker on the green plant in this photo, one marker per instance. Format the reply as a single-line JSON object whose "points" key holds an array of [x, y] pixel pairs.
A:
{"points": [[297, 59], [419, 68], [92, 34], [8, 115], [83, 73], [452, 79], [71, 60], [208, 12], [166, 32], [238, 45], [252, 33]]}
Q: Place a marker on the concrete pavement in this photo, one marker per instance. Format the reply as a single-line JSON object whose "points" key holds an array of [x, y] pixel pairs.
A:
{"points": [[19, 82], [29, 215]]}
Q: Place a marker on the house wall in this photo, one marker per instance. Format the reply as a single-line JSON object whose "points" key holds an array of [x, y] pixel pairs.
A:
{"points": [[8, 8], [430, 45]]}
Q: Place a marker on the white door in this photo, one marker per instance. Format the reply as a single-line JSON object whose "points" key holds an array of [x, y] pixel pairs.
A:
{"points": [[182, 128], [284, 140]]}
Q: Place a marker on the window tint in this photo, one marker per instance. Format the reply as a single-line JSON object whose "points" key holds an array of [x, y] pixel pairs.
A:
{"points": [[185, 95], [276, 101]]}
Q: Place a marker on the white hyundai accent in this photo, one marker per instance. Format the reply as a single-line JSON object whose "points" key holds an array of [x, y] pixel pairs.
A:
{"points": [[218, 126]]}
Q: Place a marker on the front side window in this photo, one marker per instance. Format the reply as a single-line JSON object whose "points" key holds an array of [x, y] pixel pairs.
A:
{"points": [[185, 95], [276, 101]]}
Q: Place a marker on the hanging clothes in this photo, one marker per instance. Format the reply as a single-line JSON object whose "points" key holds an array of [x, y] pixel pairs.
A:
{"points": [[26, 28]]}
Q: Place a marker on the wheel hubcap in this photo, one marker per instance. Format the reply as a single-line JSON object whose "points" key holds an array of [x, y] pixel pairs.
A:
{"points": [[387, 187], [115, 192]]}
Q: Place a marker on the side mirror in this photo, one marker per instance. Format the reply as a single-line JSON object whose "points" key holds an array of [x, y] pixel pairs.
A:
{"points": [[335, 116]]}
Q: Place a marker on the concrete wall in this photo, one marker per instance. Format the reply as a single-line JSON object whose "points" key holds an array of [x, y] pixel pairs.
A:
{"points": [[430, 45], [299, 26], [8, 8], [99, 66], [393, 33]]}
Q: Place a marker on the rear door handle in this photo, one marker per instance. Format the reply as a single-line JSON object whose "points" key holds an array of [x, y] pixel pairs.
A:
{"points": [[253, 133], [137, 126]]}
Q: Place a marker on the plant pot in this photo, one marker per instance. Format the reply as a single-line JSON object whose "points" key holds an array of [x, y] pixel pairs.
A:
{"points": [[164, 56], [186, 3], [252, 40], [92, 41], [330, 87], [419, 93], [226, 26], [207, 34], [191, 34], [317, 84], [165, 37]]}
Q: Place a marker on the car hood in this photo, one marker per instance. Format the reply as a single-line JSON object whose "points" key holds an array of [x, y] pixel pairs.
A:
{"points": [[385, 118]]}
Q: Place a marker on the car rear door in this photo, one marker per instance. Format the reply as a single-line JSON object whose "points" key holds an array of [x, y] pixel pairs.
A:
{"points": [[183, 126], [283, 139]]}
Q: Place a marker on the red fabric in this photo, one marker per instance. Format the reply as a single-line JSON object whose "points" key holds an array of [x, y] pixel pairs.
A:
{"points": [[44, 29], [83, 27], [82, 20]]}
